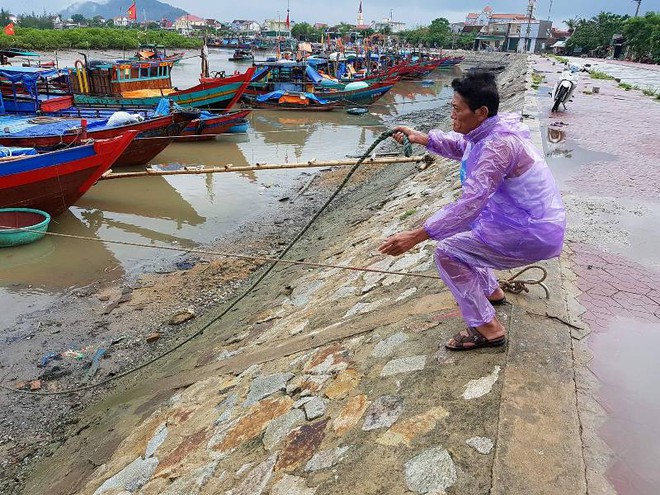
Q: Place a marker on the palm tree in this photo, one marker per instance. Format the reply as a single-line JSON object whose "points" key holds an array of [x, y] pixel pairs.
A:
{"points": [[572, 24]]}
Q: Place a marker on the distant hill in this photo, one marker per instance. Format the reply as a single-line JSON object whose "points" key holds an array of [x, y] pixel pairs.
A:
{"points": [[153, 9]]}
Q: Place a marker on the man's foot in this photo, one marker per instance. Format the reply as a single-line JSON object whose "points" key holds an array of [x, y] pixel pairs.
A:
{"points": [[497, 298], [492, 334]]}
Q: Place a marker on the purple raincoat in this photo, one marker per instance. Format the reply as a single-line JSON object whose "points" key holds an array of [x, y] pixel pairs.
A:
{"points": [[510, 212]]}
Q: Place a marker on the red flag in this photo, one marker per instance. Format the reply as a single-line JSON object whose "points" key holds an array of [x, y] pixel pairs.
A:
{"points": [[288, 24], [132, 12], [9, 29]]}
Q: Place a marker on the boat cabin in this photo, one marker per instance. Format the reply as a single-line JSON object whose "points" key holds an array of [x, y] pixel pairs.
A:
{"points": [[115, 78]]}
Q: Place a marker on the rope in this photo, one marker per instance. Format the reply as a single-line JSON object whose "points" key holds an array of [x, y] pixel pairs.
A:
{"points": [[407, 147], [247, 257], [515, 286]]}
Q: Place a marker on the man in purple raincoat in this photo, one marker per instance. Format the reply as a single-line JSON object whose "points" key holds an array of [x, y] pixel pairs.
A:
{"points": [[509, 214]]}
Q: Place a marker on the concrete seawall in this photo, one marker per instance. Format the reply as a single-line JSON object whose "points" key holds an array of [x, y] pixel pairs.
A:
{"points": [[329, 381]]}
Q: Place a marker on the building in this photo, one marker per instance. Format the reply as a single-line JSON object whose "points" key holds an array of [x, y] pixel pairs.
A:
{"points": [[121, 21], [245, 26], [276, 27], [514, 33], [394, 26], [360, 17], [186, 24], [479, 19]]}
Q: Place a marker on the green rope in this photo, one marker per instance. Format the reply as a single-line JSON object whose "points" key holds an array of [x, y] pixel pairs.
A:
{"points": [[407, 149]]}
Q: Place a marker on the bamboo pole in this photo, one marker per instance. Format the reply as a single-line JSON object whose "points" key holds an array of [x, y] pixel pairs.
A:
{"points": [[266, 166]]}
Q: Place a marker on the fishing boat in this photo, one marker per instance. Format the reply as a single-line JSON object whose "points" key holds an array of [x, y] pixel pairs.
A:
{"points": [[48, 133], [20, 226], [150, 52], [301, 77], [209, 125], [284, 100], [54, 181], [240, 55], [125, 86]]}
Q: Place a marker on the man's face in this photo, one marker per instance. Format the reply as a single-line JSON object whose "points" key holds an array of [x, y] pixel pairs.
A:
{"points": [[464, 119]]}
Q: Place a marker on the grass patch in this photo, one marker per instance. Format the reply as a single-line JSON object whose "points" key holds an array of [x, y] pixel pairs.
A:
{"points": [[626, 86], [537, 78], [563, 60], [595, 74], [407, 214], [650, 92]]}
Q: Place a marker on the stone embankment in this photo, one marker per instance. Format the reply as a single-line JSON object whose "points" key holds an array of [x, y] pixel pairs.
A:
{"points": [[330, 381]]}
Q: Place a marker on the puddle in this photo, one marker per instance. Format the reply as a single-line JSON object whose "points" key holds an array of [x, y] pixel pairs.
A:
{"points": [[565, 156], [626, 364]]}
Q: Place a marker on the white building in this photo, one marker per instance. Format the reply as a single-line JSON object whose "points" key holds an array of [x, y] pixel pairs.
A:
{"points": [[186, 24], [245, 26]]}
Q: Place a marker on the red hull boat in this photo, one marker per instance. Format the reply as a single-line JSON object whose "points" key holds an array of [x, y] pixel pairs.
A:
{"points": [[53, 181]]}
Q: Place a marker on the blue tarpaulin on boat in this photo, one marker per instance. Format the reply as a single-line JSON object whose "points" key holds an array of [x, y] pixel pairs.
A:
{"points": [[14, 151], [17, 126], [313, 75], [28, 76]]}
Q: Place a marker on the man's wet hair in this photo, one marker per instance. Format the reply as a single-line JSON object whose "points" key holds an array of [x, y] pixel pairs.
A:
{"points": [[478, 90]]}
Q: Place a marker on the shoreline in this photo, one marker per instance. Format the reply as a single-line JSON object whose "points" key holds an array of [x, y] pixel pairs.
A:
{"points": [[359, 204]]}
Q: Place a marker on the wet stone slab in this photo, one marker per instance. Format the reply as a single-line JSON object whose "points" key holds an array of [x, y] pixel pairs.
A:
{"points": [[131, 478], [383, 413], [404, 365], [280, 427], [481, 386], [326, 459], [386, 348], [263, 386], [431, 471], [482, 445]]}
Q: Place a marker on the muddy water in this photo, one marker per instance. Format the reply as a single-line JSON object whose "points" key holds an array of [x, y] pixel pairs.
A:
{"points": [[626, 364], [190, 210]]}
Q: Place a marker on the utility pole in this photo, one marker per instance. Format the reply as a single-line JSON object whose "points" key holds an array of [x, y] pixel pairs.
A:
{"points": [[550, 10], [530, 14], [638, 4]]}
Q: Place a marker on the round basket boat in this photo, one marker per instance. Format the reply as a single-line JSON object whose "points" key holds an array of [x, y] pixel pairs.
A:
{"points": [[357, 110], [20, 226]]}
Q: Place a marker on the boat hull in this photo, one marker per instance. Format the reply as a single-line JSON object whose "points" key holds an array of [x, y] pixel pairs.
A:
{"points": [[210, 93], [54, 181], [139, 152]]}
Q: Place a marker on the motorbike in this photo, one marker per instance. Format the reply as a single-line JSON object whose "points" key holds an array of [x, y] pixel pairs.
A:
{"points": [[564, 88]]}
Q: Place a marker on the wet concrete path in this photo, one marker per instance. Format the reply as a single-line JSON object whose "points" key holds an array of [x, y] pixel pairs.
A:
{"points": [[603, 149]]}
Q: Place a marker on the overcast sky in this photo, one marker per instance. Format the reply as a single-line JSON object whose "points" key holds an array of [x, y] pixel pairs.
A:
{"points": [[412, 12]]}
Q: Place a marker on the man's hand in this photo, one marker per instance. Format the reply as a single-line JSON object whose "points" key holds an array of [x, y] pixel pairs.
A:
{"points": [[415, 137], [403, 241]]}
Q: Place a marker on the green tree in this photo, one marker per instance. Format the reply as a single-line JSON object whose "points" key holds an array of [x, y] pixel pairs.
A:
{"points": [[595, 34], [571, 24], [642, 35], [4, 17], [78, 19], [303, 31]]}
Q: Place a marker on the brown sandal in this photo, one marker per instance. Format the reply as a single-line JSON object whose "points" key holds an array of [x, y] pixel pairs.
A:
{"points": [[475, 340]]}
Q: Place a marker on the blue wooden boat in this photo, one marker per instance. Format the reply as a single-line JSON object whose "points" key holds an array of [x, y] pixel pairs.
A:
{"points": [[20, 226]]}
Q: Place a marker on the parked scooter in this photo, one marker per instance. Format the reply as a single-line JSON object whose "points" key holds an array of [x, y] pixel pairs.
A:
{"points": [[564, 88]]}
